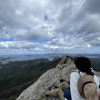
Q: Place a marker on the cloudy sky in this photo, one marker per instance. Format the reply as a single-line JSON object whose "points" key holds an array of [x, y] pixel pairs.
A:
{"points": [[54, 26]]}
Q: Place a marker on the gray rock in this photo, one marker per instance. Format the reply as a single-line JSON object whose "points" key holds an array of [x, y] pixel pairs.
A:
{"points": [[51, 77], [63, 60]]}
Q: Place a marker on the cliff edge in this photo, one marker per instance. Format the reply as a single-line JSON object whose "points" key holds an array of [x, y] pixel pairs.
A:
{"points": [[51, 77]]}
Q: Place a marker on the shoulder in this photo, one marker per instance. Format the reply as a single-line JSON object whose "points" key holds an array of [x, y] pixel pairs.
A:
{"points": [[74, 74], [97, 80], [74, 77]]}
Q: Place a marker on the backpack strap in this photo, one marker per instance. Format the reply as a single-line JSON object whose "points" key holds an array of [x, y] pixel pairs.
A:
{"points": [[85, 84], [79, 73]]}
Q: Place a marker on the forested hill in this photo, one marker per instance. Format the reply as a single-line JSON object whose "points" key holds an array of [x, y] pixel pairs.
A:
{"points": [[17, 76]]}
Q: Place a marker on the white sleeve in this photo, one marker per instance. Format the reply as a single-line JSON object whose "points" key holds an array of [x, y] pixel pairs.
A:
{"points": [[73, 86], [97, 80]]}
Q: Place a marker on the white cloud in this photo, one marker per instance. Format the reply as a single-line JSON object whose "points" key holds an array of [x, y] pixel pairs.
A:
{"points": [[18, 45], [65, 24], [67, 45]]}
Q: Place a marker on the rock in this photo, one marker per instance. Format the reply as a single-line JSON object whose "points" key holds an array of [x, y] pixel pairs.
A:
{"points": [[49, 78], [65, 62]]}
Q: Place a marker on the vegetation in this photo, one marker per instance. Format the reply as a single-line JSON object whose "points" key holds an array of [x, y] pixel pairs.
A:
{"points": [[17, 76]]}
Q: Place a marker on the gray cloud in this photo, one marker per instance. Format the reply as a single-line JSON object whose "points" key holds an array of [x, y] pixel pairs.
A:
{"points": [[65, 24], [67, 45], [16, 15], [92, 6], [93, 39]]}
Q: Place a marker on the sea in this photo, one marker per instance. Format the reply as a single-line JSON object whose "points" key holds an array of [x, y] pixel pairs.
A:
{"points": [[24, 57]]}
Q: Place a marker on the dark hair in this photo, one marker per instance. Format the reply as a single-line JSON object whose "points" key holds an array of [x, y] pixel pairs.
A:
{"points": [[84, 65]]}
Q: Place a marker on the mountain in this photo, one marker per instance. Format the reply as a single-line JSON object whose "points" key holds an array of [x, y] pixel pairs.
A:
{"points": [[17, 76], [51, 77]]}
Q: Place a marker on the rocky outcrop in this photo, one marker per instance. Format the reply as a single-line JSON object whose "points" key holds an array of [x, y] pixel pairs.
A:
{"points": [[51, 77]]}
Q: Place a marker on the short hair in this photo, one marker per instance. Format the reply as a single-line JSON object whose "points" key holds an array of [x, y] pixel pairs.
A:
{"points": [[83, 64]]}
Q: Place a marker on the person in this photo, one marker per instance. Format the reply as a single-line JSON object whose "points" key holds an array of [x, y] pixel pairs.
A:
{"points": [[83, 83], [59, 91]]}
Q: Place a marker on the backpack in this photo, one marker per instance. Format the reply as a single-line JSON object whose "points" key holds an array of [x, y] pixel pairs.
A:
{"points": [[87, 87]]}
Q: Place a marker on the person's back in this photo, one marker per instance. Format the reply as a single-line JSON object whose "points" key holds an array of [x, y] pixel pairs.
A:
{"points": [[73, 85], [81, 83]]}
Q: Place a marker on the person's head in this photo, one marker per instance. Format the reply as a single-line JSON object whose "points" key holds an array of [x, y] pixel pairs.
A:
{"points": [[83, 64]]}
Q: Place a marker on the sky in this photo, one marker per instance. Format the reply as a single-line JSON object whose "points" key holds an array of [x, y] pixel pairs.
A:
{"points": [[49, 26]]}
